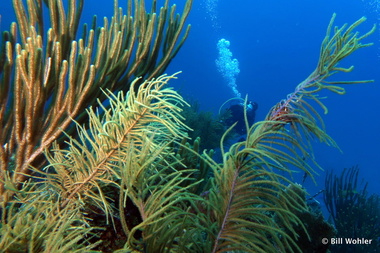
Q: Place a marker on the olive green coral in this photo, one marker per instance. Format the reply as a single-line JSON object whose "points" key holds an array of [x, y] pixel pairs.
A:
{"points": [[354, 212]]}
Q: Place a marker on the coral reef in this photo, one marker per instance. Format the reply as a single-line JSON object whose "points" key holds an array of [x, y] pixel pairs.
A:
{"points": [[128, 169], [355, 214], [49, 77], [204, 125], [314, 227]]}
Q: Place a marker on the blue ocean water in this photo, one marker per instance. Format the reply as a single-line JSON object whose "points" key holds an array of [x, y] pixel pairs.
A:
{"points": [[277, 46]]}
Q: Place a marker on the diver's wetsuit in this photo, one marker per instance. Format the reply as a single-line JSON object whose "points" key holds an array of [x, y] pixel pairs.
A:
{"points": [[237, 115]]}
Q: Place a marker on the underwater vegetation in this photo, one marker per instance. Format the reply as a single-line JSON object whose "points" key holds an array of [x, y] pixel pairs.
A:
{"points": [[82, 175], [50, 76], [204, 125], [355, 214], [317, 228]]}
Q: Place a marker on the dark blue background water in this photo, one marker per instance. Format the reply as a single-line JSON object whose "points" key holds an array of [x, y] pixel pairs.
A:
{"points": [[277, 45]]}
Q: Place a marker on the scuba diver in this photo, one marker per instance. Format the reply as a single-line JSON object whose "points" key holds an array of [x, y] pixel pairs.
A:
{"points": [[235, 113]]}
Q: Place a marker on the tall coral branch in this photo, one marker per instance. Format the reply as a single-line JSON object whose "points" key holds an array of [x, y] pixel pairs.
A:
{"points": [[248, 188], [333, 50]]}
